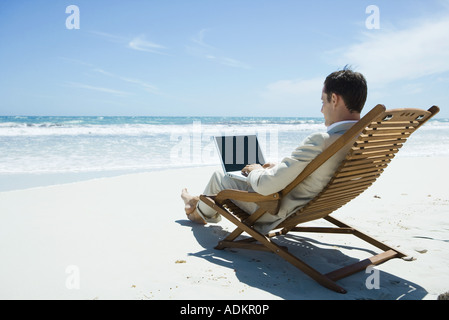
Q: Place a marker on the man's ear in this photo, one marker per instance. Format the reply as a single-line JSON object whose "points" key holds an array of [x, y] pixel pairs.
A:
{"points": [[335, 98]]}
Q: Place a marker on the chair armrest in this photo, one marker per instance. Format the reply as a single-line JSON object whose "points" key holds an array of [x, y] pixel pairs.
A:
{"points": [[270, 203], [245, 196]]}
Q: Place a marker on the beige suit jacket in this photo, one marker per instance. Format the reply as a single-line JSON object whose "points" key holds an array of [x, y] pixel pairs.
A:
{"points": [[268, 181]]}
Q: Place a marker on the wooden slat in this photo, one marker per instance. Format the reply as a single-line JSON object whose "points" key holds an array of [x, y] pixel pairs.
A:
{"points": [[361, 164], [369, 143], [339, 201], [373, 146], [301, 217], [357, 162], [348, 168], [380, 136], [328, 204], [375, 149], [325, 207], [408, 114], [375, 159], [341, 193], [356, 172], [350, 187], [393, 130], [373, 155], [338, 176], [346, 190], [356, 177], [235, 210], [380, 150], [317, 213], [320, 205], [353, 182], [395, 124], [368, 167]]}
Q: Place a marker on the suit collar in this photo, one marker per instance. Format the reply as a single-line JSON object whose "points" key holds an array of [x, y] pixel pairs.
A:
{"points": [[341, 126]]}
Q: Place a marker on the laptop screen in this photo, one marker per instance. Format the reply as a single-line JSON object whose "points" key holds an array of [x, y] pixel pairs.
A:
{"points": [[238, 151]]}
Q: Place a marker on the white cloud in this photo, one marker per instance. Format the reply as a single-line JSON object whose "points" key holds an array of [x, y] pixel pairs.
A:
{"points": [[296, 87], [137, 82], [110, 37], [199, 39], [141, 44], [290, 97], [99, 89], [138, 43], [412, 53], [211, 53], [146, 86], [393, 61]]}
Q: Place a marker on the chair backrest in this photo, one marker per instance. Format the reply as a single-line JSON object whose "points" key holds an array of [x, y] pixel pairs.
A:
{"points": [[378, 137]]}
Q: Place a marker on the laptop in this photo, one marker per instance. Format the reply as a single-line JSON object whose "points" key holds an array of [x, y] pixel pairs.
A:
{"points": [[236, 152]]}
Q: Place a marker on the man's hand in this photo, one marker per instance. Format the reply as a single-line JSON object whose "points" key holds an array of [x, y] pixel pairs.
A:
{"points": [[247, 170], [269, 165]]}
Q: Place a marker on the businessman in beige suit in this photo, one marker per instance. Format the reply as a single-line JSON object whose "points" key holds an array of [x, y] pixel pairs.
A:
{"points": [[343, 97]]}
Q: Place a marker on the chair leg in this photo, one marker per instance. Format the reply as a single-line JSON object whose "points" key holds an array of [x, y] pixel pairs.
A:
{"points": [[273, 247], [265, 243], [364, 237], [361, 265], [238, 231], [342, 228]]}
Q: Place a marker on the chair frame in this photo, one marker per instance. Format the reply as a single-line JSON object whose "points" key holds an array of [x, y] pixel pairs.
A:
{"points": [[375, 140]]}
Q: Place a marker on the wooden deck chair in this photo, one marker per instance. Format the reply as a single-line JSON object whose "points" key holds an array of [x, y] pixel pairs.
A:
{"points": [[375, 140]]}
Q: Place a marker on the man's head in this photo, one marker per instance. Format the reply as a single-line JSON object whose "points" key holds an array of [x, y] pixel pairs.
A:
{"points": [[344, 95]]}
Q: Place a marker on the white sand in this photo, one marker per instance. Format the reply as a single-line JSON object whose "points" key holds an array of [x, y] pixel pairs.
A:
{"points": [[127, 238]]}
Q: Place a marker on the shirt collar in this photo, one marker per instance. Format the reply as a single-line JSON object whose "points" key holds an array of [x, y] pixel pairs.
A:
{"points": [[333, 125]]}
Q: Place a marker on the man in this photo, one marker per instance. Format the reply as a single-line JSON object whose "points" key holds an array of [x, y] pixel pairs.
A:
{"points": [[343, 97]]}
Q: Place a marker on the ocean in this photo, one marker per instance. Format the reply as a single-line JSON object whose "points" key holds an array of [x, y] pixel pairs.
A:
{"points": [[37, 151]]}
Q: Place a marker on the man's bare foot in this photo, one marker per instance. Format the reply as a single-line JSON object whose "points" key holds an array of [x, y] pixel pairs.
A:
{"points": [[190, 203]]}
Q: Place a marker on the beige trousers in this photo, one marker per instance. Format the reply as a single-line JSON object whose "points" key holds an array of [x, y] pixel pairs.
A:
{"points": [[219, 182]]}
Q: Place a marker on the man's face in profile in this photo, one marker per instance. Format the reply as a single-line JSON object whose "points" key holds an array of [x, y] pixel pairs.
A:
{"points": [[326, 109]]}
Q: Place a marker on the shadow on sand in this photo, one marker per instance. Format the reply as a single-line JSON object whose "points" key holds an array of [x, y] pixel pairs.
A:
{"points": [[267, 271]]}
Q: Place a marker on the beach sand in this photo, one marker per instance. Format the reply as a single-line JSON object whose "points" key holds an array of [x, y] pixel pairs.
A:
{"points": [[127, 237]]}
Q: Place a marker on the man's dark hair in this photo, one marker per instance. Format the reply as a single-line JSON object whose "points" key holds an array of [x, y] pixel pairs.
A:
{"points": [[350, 85]]}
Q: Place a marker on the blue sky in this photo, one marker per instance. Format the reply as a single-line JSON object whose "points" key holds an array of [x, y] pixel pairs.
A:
{"points": [[217, 57]]}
